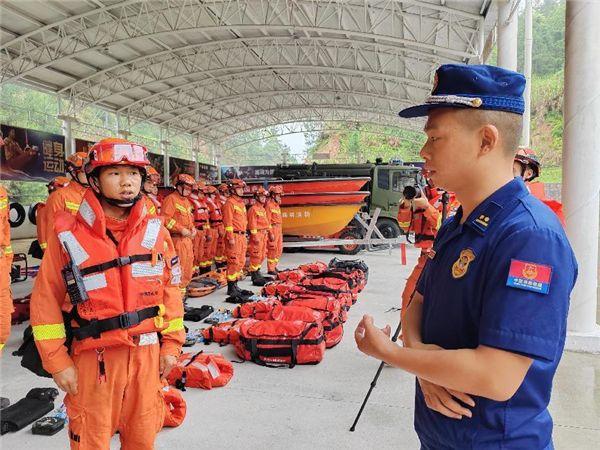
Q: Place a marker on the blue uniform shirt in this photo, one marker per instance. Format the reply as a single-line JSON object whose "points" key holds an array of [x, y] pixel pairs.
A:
{"points": [[501, 279]]}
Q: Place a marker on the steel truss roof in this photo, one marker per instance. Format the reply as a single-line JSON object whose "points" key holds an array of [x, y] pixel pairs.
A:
{"points": [[215, 68]]}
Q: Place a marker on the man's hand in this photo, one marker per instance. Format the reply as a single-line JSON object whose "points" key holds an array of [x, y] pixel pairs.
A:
{"points": [[420, 203], [166, 363], [194, 232], [231, 242], [66, 380], [271, 236], [254, 238], [185, 232], [444, 401], [208, 238], [372, 340]]}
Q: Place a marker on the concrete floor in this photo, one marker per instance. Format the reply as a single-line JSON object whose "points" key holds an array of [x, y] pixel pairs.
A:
{"points": [[313, 406]]}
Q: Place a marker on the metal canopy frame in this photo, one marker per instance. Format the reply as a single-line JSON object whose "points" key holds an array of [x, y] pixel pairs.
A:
{"points": [[217, 68]]}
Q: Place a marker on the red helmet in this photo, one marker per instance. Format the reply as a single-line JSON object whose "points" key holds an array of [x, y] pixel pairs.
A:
{"points": [[210, 189], [200, 185], [115, 151], [528, 158], [236, 183], [276, 189], [261, 191], [223, 188], [76, 161], [58, 182], [153, 174], [184, 178]]}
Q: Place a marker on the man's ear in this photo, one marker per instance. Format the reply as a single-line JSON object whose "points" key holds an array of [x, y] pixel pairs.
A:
{"points": [[489, 137]]}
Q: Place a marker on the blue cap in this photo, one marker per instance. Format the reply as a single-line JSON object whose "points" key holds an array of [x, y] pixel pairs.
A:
{"points": [[477, 87]]}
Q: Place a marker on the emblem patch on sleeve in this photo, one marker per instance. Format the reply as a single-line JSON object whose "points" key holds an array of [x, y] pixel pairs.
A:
{"points": [[529, 276], [461, 265]]}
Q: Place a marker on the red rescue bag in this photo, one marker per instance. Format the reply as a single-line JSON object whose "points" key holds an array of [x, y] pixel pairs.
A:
{"points": [[276, 288], [293, 275], [274, 343], [313, 268], [223, 333], [333, 316], [175, 407], [200, 370], [257, 310]]}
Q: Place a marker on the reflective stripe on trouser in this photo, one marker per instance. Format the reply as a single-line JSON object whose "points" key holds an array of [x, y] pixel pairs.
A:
{"points": [[6, 304], [257, 248], [411, 283], [275, 248], [128, 400], [236, 257], [210, 247], [199, 241], [184, 248]]}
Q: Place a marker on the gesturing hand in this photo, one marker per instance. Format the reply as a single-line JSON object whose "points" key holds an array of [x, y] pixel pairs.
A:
{"points": [[444, 401]]}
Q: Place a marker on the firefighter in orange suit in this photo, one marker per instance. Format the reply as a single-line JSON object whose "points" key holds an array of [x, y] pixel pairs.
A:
{"points": [[41, 218], [217, 231], [527, 166], [419, 216], [6, 256], [68, 198], [259, 227], [275, 243], [178, 212], [129, 295], [235, 222], [202, 222], [150, 190], [220, 199]]}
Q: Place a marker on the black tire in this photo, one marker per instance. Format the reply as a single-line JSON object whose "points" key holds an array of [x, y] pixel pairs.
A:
{"points": [[350, 249], [389, 228], [32, 214], [21, 215]]}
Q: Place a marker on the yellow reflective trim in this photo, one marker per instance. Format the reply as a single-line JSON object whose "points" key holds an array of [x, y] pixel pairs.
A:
{"points": [[228, 228], [152, 210], [181, 208], [171, 224], [232, 277], [72, 205], [237, 208], [8, 250], [260, 213], [276, 211], [161, 310], [253, 231], [1, 345], [51, 331], [206, 226], [44, 245], [175, 324], [404, 224]]}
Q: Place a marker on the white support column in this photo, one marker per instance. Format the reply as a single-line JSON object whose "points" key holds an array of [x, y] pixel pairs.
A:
{"points": [[196, 149], [67, 131], [581, 167], [525, 139], [164, 150], [122, 130], [508, 29]]}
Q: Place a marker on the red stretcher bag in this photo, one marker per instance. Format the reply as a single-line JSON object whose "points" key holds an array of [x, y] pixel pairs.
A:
{"points": [[200, 370], [277, 343], [257, 310]]}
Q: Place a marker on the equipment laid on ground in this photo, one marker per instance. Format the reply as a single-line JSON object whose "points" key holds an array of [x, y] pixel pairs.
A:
{"points": [[36, 404], [52, 424], [20, 312], [200, 370], [175, 407], [197, 314]]}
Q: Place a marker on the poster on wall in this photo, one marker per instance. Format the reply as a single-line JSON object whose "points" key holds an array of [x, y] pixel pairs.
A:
{"points": [[30, 155], [82, 145], [178, 165], [208, 172], [247, 172]]}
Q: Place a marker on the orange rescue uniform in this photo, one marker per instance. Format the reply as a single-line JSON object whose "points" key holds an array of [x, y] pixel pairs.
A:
{"points": [[118, 382], [63, 199], [217, 231], [178, 213], [152, 204], [235, 222], [202, 224], [6, 256], [424, 224], [258, 226], [275, 246]]}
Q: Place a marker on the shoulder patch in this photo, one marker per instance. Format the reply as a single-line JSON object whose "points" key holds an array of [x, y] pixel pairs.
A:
{"points": [[529, 276]]}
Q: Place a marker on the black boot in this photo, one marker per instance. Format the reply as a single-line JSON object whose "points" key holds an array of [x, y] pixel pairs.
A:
{"points": [[232, 288], [257, 278]]}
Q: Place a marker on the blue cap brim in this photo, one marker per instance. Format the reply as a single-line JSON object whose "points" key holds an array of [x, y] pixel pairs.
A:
{"points": [[423, 110]]}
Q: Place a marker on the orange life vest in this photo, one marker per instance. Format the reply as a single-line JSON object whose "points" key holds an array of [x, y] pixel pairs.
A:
{"points": [[214, 211], [124, 281], [201, 215]]}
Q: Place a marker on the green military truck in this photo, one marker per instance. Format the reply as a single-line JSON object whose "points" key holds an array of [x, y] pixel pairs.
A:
{"points": [[387, 181]]}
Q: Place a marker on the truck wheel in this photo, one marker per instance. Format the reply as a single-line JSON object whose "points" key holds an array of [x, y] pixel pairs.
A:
{"points": [[389, 228], [21, 215], [350, 249]]}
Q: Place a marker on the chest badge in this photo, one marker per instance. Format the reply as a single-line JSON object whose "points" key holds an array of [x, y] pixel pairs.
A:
{"points": [[461, 265]]}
